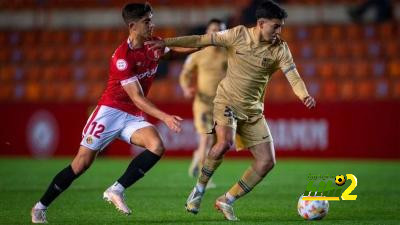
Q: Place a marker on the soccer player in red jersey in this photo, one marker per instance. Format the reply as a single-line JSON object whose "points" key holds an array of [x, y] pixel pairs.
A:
{"points": [[119, 115]]}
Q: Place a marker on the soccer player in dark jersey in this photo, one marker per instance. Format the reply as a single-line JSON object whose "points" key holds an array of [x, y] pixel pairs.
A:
{"points": [[119, 115]]}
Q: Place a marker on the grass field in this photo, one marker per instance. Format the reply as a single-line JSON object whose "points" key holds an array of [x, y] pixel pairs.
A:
{"points": [[160, 196]]}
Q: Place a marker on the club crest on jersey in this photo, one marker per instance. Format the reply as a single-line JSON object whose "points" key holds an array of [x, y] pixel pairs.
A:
{"points": [[89, 140], [121, 64], [265, 62]]}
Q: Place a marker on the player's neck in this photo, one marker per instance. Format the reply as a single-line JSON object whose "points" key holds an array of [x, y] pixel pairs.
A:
{"points": [[135, 40]]}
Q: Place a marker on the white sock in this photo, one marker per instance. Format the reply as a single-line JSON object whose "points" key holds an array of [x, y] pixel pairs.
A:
{"points": [[230, 199], [117, 187], [39, 205], [200, 187]]}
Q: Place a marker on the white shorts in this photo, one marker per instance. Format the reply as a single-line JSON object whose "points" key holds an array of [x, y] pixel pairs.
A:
{"points": [[106, 124]]}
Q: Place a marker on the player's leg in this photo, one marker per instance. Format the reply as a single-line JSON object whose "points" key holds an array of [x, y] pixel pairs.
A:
{"points": [[225, 121], [62, 181], [210, 141], [148, 138], [264, 161], [254, 135], [101, 128], [207, 141], [211, 163]]}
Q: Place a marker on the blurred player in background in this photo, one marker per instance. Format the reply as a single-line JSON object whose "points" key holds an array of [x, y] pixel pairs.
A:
{"points": [[119, 115], [210, 65], [254, 54]]}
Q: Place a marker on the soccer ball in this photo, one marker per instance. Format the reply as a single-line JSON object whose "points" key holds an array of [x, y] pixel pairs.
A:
{"points": [[340, 180], [312, 210]]}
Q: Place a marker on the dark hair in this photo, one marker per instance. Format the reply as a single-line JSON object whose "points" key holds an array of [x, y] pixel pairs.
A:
{"points": [[135, 11], [269, 9], [222, 25], [214, 20]]}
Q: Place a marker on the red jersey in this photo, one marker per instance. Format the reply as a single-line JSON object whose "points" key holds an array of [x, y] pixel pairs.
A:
{"points": [[129, 65]]}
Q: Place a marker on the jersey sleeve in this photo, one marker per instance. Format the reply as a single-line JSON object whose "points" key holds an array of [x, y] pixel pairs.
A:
{"points": [[226, 38], [185, 78], [192, 41], [288, 67], [121, 69], [285, 58]]}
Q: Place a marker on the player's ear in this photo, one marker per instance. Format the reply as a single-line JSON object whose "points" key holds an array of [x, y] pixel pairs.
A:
{"points": [[132, 25], [260, 23]]}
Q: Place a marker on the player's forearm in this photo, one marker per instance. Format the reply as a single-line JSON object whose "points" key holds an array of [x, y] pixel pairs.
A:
{"points": [[297, 84], [148, 107], [193, 41]]}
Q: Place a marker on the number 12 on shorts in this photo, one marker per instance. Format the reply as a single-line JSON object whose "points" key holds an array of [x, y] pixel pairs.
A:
{"points": [[97, 128]]}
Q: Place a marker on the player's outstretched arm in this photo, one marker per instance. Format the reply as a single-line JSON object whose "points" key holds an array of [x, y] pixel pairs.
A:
{"points": [[178, 52], [299, 88], [135, 92], [192, 41]]}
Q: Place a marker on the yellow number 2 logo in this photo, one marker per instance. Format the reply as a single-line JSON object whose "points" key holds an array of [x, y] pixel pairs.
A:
{"points": [[346, 194]]}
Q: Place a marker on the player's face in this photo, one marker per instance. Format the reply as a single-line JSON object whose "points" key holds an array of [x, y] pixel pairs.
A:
{"points": [[213, 28], [144, 27], [270, 29]]}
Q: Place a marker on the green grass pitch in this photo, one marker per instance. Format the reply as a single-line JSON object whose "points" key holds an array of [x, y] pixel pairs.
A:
{"points": [[160, 196]]}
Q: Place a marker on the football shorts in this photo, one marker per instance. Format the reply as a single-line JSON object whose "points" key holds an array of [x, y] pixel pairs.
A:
{"points": [[106, 124], [250, 131]]}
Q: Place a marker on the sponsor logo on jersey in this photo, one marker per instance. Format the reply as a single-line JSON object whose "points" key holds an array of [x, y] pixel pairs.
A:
{"points": [[121, 64], [148, 73]]}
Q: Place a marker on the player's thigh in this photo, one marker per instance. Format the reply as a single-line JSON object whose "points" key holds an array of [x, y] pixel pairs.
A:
{"points": [[135, 130], [102, 127], [225, 122], [252, 132]]}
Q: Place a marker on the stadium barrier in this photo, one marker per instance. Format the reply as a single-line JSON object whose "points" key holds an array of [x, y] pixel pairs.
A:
{"points": [[337, 129]]}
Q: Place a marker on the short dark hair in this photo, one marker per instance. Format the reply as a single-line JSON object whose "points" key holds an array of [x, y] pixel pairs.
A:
{"points": [[214, 20], [269, 9], [135, 11]]}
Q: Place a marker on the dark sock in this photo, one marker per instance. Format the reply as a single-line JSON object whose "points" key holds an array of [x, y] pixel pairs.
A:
{"points": [[60, 183], [138, 167]]}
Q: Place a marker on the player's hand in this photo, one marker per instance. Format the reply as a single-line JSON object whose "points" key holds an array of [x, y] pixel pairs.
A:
{"points": [[188, 92], [155, 44], [309, 102], [173, 123]]}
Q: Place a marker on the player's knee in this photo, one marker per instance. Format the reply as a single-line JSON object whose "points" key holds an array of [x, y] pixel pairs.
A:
{"points": [[80, 167], [81, 163], [266, 165], [220, 148], [156, 146]]}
